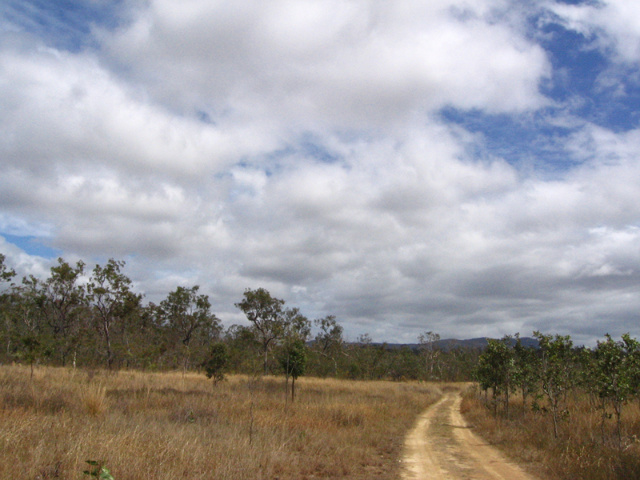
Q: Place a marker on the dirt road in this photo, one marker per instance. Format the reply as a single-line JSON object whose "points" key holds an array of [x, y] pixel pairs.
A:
{"points": [[442, 446]]}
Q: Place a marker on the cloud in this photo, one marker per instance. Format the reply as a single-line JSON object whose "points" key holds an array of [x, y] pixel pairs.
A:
{"points": [[301, 147], [611, 24], [332, 63]]}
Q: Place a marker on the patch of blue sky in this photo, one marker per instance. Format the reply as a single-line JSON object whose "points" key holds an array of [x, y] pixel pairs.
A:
{"points": [[64, 24], [312, 147], [524, 141], [307, 146], [33, 245], [587, 82], [586, 87]]}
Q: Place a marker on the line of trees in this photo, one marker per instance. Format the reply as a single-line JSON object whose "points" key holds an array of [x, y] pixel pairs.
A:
{"points": [[75, 317], [94, 318], [548, 376]]}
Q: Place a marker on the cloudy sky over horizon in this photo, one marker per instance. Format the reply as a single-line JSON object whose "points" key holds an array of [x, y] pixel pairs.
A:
{"points": [[470, 167]]}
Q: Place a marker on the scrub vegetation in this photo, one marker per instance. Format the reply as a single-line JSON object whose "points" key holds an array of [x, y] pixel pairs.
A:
{"points": [[575, 412]]}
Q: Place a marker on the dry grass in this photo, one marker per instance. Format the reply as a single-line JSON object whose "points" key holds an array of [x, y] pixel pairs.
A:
{"points": [[94, 398], [170, 426], [579, 452]]}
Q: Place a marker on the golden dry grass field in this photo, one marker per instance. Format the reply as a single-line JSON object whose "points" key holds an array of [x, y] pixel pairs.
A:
{"points": [[173, 426]]}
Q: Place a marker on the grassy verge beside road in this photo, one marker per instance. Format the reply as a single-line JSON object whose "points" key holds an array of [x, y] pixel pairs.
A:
{"points": [[169, 426], [586, 447]]}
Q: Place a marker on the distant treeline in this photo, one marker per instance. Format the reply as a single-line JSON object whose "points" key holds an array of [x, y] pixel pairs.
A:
{"points": [[95, 319]]}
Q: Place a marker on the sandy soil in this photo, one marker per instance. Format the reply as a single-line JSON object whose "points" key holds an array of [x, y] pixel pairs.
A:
{"points": [[442, 446]]}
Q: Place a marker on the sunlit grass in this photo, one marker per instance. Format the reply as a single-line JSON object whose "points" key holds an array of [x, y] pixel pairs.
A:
{"points": [[170, 425]]}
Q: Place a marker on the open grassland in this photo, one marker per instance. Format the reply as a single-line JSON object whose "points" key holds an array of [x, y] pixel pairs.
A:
{"points": [[583, 449], [174, 426]]}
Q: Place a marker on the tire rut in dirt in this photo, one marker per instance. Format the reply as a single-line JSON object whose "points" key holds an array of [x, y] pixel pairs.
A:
{"points": [[451, 455]]}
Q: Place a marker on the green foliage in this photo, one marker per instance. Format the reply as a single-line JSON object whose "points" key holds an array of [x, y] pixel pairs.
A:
{"points": [[266, 314], [614, 376], [6, 273], [189, 326], [526, 363], [98, 470], [109, 292], [558, 373], [217, 361], [328, 342], [293, 358], [496, 369]]}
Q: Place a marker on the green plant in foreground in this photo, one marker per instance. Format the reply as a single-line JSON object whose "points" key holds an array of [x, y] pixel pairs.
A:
{"points": [[98, 470]]}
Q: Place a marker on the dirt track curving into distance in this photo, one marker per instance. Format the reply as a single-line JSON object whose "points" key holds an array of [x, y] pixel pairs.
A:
{"points": [[442, 446]]}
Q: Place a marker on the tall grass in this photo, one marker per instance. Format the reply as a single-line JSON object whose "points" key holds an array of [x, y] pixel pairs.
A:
{"points": [[174, 425], [583, 450]]}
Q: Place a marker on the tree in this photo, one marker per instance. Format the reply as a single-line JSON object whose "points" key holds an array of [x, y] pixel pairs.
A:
{"points": [[62, 300], [429, 351], [526, 365], [496, 370], [6, 327], [6, 273], [216, 362], [244, 348], [110, 294], [266, 314], [558, 372], [295, 325], [613, 377], [185, 314], [293, 360], [329, 342]]}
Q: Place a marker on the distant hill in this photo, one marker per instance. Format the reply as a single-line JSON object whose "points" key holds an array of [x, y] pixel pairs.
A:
{"points": [[453, 343]]}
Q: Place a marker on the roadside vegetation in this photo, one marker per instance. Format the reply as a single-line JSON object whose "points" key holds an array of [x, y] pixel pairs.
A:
{"points": [[572, 412], [170, 425]]}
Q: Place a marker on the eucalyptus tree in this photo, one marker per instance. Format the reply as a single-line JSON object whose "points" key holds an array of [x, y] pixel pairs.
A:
{"points": [[185, 316], [293, 349], [244, 348], [430, 353], [328, 342], [293, 360], [28, 336], [6, 273], [6, 326], [62, 301], [266, 314], [295, 325], [111, 298]]}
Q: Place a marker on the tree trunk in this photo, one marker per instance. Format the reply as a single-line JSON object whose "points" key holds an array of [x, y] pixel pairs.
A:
{"points": [[293, 389], [602, 420], [617, 406], [506, 403], [266, 358], [107, 340]]}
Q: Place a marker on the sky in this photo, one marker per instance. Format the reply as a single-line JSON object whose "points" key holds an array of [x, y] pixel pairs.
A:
{"points": [[467, 167]]}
